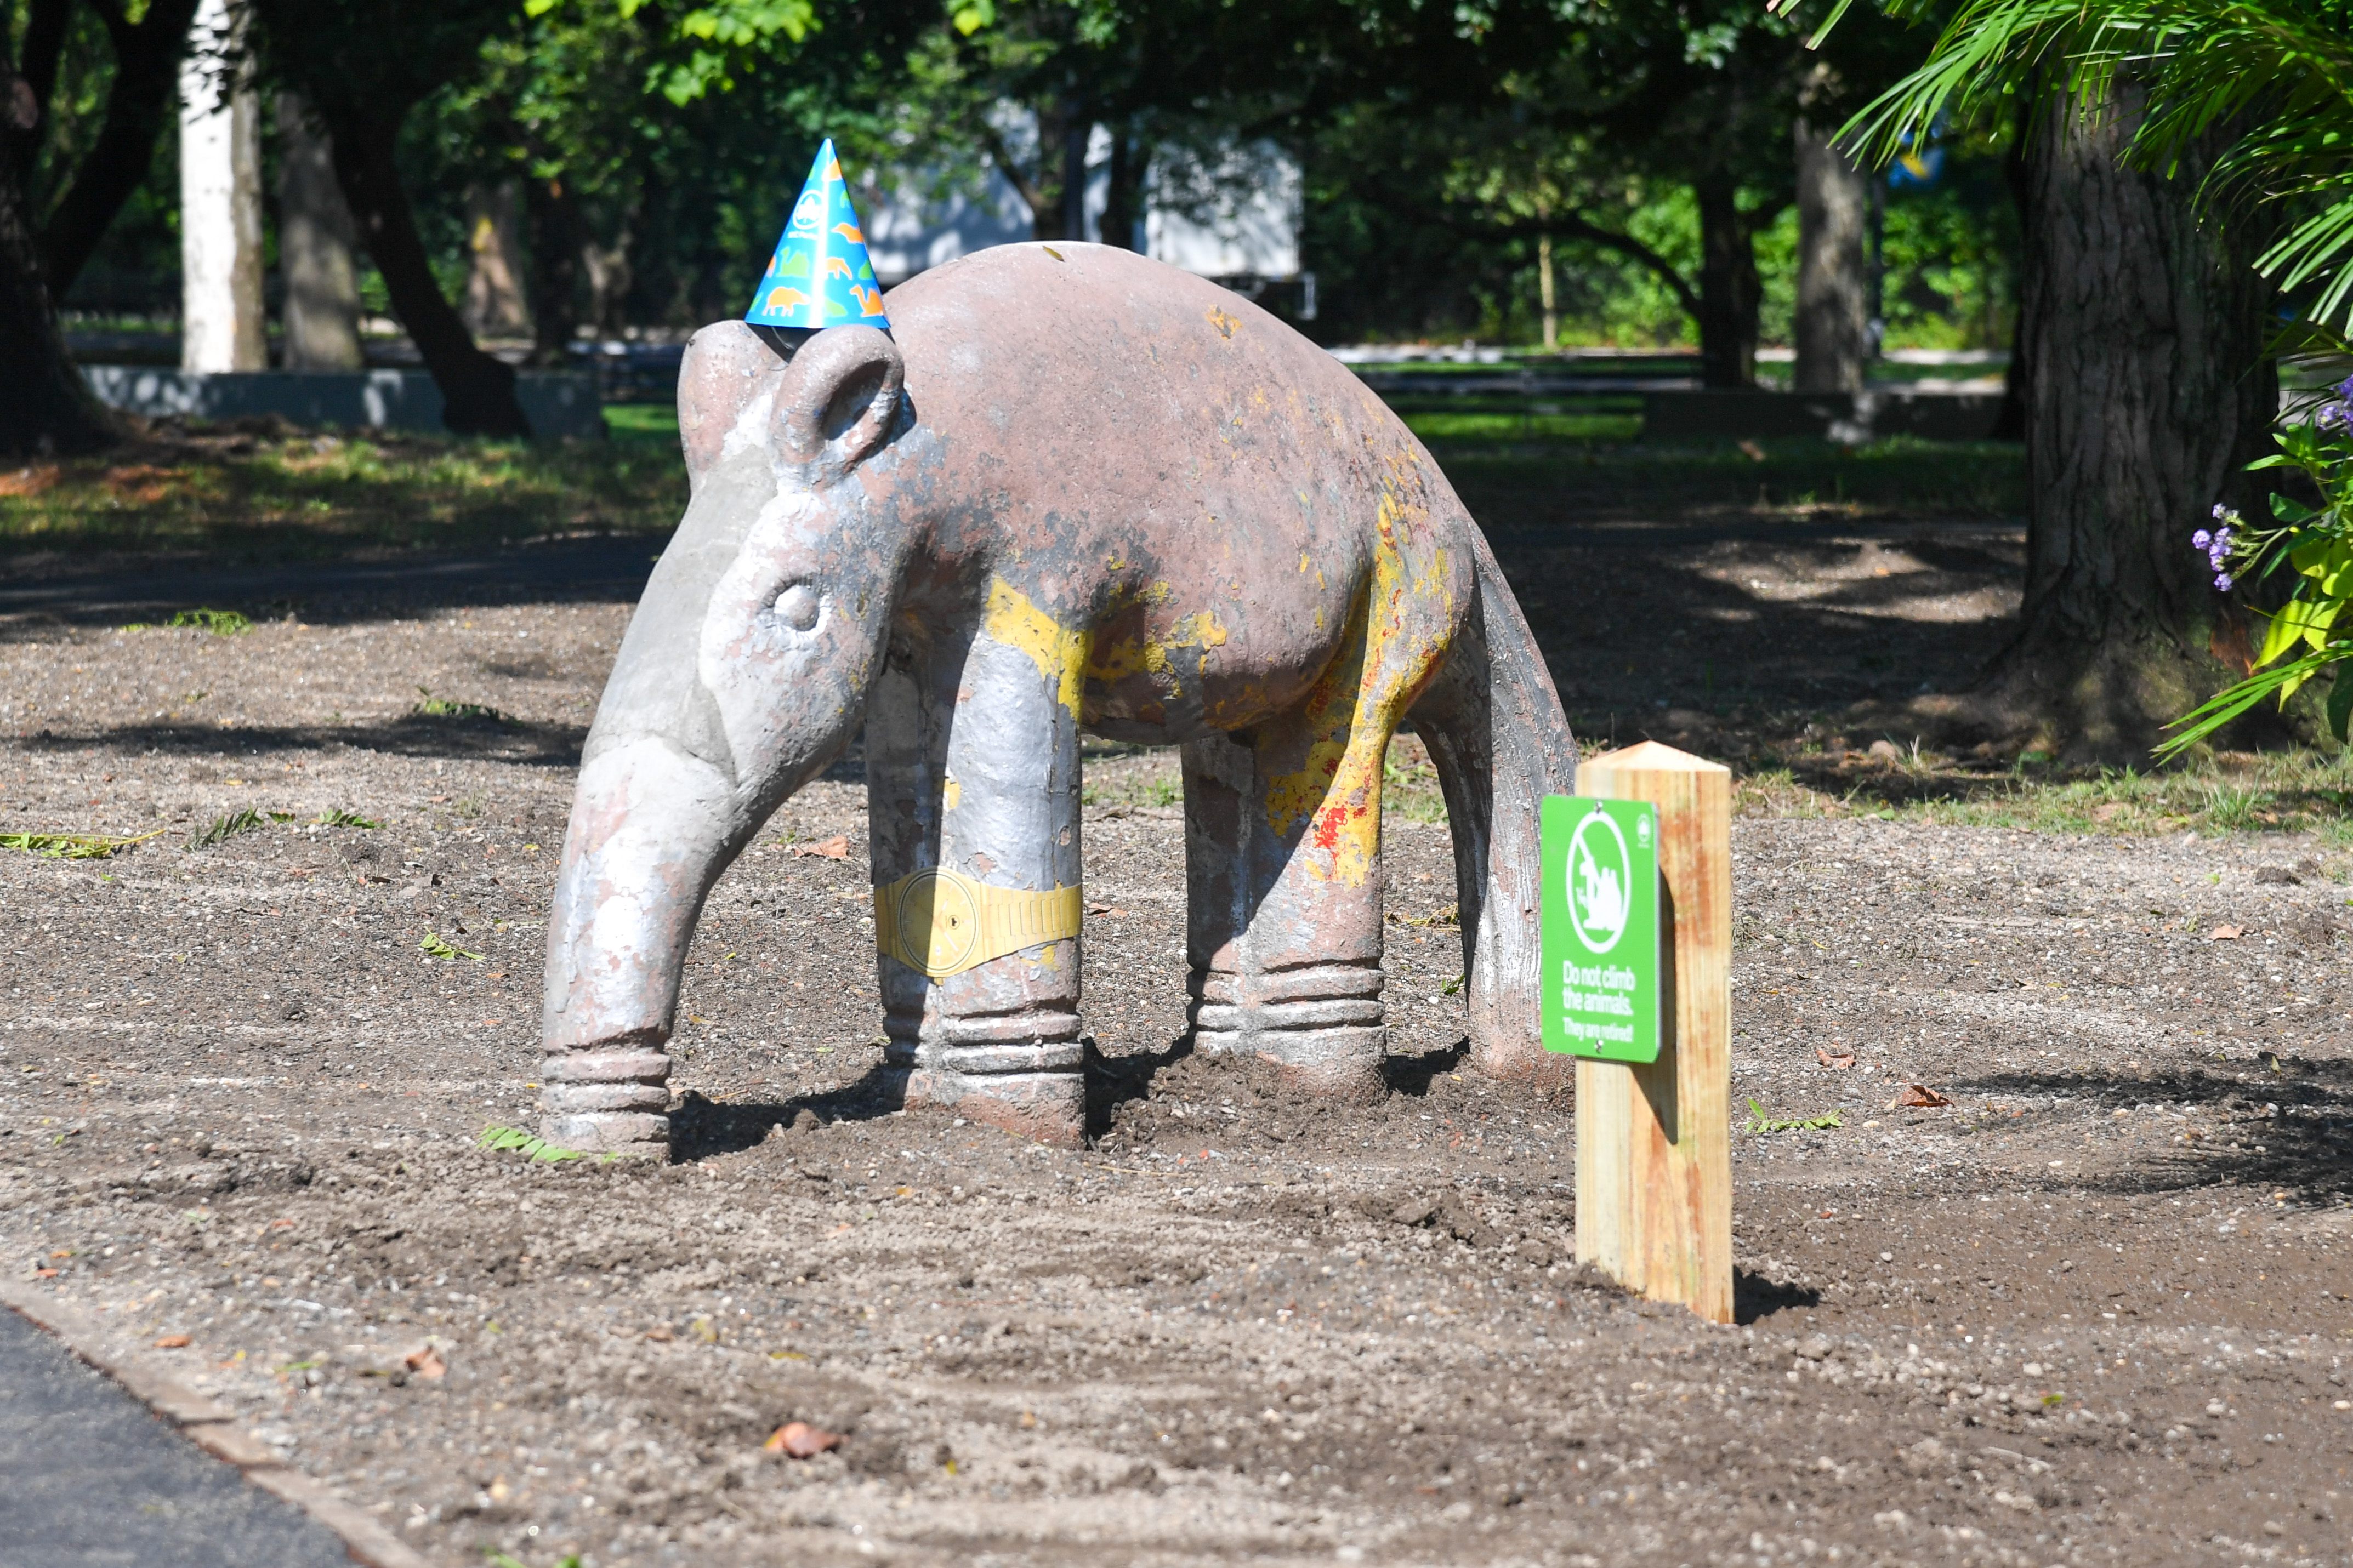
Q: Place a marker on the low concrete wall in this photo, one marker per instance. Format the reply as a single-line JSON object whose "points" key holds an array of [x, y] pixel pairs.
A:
{"points": [[1852, 418], [557, 403]]}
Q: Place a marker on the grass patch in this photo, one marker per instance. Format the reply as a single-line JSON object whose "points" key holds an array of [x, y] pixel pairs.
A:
{"points": [[73, 846], [1535, 487], [288, 496], [642, 422], [1440, 427], [343, 819], [220, 623], [2270, 792], [432, 707]]}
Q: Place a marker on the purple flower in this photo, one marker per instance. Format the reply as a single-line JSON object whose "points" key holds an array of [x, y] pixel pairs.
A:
{"points": [[2344, 389], [2220, 511], [2200, 539], [2222, 580]]}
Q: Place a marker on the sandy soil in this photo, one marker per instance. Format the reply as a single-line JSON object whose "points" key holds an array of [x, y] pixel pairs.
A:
{"points": [[2094, 1311]]}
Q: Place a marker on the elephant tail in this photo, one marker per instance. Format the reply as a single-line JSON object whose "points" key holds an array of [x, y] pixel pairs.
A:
{"points": [[1493, 722]]}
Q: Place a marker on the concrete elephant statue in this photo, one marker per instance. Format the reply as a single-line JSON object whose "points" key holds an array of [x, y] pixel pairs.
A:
{"points": [[1078, 490]]}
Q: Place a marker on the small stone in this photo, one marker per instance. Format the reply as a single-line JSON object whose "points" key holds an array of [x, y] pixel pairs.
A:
{"points": [[1815, 1348]]}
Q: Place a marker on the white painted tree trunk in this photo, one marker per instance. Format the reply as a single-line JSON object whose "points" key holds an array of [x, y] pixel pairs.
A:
{"points": [[315, 248], [220, 205]]}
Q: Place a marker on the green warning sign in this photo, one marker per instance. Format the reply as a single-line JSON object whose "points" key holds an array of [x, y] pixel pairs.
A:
{"points": [[1600, 927]]}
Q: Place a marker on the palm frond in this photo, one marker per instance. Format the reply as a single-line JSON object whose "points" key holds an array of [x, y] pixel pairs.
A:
{"points": [[2272, 79]]}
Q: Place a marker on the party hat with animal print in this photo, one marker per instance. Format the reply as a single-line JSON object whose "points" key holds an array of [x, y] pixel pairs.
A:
{"points": [[820, 276]]}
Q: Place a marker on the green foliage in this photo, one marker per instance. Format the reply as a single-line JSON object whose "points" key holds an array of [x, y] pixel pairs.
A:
{"points": [[224, 829], [534, 1148], [432, 707], [340, 818], [72, 845], [2310, 634], [1758, 1121], [2273, 78], [437, 946]]}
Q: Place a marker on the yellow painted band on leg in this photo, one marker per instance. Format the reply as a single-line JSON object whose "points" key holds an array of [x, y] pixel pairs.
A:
{"points": [[944, 923]]}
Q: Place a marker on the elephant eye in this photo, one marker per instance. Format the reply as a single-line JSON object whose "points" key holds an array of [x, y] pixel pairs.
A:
{"points": [[797, 606]]}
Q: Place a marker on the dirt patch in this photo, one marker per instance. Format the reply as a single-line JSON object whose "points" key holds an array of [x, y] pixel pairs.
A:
{"points": [[2093, 1309]]}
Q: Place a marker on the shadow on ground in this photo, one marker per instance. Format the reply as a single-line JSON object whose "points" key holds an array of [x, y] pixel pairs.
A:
{"points": [[2293, 1126]]}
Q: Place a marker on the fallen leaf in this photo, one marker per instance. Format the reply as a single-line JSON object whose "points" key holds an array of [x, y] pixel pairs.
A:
{"points": [[799, 1440], [1843, 1059], [1752, 451], [426, 1362], [44, 1273], [659, 1333], [834, 848], [173, 1342], [1919, 1096], [2225, 933]]}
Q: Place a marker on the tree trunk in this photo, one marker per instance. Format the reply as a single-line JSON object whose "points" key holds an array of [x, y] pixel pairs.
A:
{"points": [[1123, 190], [45, 46], [611, 274], [315, 248], [556, 241], [1546, 294], [1729, 292], [146, 73], [1077, 132], [2146, 394], [478, 391], [1833, 309], [494, 262], [221, 323], [44, 406]]}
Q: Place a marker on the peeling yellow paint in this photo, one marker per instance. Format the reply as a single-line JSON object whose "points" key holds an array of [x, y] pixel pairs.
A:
{"points": [[1115, 661], [1198, 632], [952, 794], [1398, 629], [1059, 652]]}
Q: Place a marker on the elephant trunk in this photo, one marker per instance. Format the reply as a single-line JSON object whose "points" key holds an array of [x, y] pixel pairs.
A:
{"points": [[652, 826]]}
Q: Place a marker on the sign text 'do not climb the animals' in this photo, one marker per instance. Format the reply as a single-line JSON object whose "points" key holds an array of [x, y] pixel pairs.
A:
{"points": [[1600, 927]]}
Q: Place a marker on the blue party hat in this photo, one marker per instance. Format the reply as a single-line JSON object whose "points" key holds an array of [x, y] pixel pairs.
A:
{"points": [[820, 276]]}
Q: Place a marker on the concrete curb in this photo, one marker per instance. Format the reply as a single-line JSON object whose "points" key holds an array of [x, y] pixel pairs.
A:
{"points": [[212, 1426]]}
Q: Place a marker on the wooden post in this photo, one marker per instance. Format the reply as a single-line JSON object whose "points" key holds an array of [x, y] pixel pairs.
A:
{"points": [[1654, 1142]]}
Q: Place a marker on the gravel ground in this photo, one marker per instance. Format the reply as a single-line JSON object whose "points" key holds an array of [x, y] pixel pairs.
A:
{"points": [[2094, 1309]]}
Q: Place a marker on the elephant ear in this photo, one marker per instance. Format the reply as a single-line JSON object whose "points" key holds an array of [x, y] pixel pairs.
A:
{"points": [[839, 398], [728, 366]]}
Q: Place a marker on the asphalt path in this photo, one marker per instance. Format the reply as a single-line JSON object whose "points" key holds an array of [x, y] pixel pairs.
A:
{"points": [[89, 1478]]}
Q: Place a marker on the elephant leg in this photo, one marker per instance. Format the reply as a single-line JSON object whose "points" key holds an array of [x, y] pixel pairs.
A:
{"points": [[973, 802], [1282, 839], [1283, 963]]}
